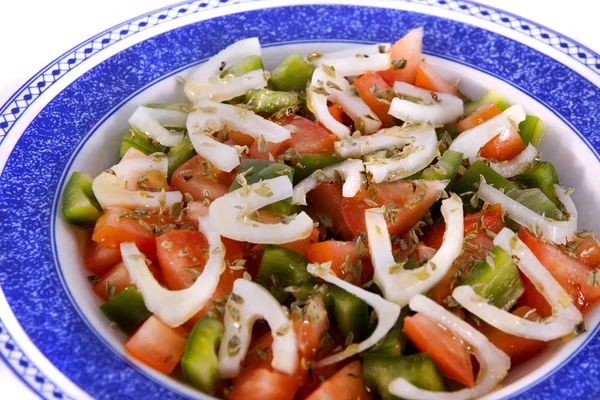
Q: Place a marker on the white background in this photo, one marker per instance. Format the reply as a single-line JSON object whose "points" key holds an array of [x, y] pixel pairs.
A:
{"points": [[33, 33]]}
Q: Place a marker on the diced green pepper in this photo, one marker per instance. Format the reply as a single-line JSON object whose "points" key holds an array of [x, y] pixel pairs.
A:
{"points": [[292, 74], [281, 268], [183, 107], [445, 168], [491, 96], [531, 130], [180, 154], [262, 170], [243, 66], [500, 283], [394, 342], [543, 176], [309, 163], [348, 313], [270, 101], [79, 205], [536, 200], [419, 369], [140, 141], [127, 309], [470, 180], [200, 363], [450, 129]]}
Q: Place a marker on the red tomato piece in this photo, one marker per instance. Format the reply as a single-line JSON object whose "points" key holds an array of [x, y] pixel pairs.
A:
{"points": [[157, 345], [364, 84], [300, 246], [327, 200], [568, 271], [343, 257], [275, 149], [533, 299], [115, 227], [428, 78], [99, 259], [399, 193], [336, 112], [505, 146], [518, 349], [310, 331], [588, 251], [346, 384], [117, 277], [240, 138], [482, 114], [264, 383], [451, 354], [409, 48], [201, 180], [310, 138], [180, 253]]}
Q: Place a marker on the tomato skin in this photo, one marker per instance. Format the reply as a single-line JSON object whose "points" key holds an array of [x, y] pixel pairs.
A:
{"points": [[327, 199], [409, 48], [517, 348], [531, 298], [173, 265], [310, 138], [275, 149], [429, 78], [343, 257], [157, 345], [482, 114], [118, 277], [346, 384], [449, 352], [588, 251], [99, 259], [505, 146], [397, 192], [364, 83], [568, 271], [301, 246], [193, 178], [111, 230], [336, 112], [241, 139], [263, 384]]}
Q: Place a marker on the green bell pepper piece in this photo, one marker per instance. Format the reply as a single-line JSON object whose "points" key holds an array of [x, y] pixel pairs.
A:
{"points": [[179, 154], [470, 180], [309, 163], [79, 204], [140, 141], [281, 268], [491, 96], [127, 309], [243, 66], [271, 101], [445, 168], [531, 130], [536, 200], [543, 176], [292, 74]]}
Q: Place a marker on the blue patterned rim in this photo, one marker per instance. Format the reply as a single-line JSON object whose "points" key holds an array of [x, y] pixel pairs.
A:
{"points": [[36, 296]]}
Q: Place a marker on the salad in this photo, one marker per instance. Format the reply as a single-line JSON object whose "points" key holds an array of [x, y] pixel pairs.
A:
{"points": [[348, 225]]}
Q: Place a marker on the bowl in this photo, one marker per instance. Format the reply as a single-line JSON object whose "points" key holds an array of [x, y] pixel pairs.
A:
{"points": [[69, 117]]}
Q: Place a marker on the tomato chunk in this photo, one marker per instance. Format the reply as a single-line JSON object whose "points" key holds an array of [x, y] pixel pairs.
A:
{"points": [[588, 251], [365, 83], [301, 246], [336, 112], [181, 253], [343, 257], [409, 48], [505, 146], [346, 384], [428, 78], [201, 180], [533, 299], [518, 349], [449, 352], [157, 345], [115, 281], [399, 193], [327, 200], [99, 259], [264, 383], [241, 139], [482, 114], [310, 138], [568, 271], [117, 225]]}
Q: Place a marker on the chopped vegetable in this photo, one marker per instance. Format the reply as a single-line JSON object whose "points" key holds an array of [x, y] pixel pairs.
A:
{"points": [[543, 176], [446, 167], [292, 74], [492, 96], [532, 130], [178, 155], [79, 205], [126, 309], [266, 100], [139, 141], [469, 181], [309, 163], [281, 268], [199, 363], [243, 66]]}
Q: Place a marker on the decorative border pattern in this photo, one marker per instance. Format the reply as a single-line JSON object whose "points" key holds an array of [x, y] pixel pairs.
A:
{"points": [[28, 93], [8, 348]]}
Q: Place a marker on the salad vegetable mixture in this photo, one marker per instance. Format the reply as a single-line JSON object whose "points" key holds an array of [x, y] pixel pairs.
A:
{"points": [[347, 226]]}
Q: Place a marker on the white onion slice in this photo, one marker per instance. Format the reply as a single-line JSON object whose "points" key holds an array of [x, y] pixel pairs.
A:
{"points": [[109, 193], [152, 122], [420, 153], [357, 64], [383, 139], [174, 307], [350, 170], [248, 303], [471, 141], [493, 363], [229, 213], [447, 108], [565, 315], [221, 156], [387, 313], [227, 88], [521, 163], [210, 116], [226, 58], [400, 285], [550, 229], [338, 90], [367, 49]]}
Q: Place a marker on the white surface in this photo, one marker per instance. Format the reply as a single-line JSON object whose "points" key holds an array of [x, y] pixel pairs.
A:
{"points": [[34, 33]]}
